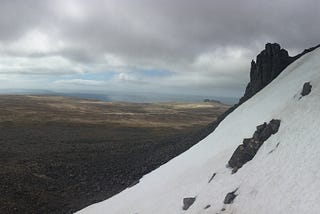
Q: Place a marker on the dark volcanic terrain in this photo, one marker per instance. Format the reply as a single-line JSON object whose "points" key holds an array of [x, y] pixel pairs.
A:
{"points": [[58, 155]]}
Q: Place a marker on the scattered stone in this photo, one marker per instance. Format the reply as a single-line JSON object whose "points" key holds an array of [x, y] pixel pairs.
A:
{"points": [[206, 207], [230, 197], [187, 202], [306, 89], [274, 148], [214, 174], [250, 146]]}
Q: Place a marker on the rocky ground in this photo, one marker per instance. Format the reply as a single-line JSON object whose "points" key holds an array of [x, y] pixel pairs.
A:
{"points": [[58, 155]]}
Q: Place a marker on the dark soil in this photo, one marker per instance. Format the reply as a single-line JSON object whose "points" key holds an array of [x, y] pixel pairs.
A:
{"points": [[61, 166]]}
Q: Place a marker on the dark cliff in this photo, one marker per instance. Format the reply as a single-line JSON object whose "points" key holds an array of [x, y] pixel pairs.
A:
{"points": [[268, 65]]}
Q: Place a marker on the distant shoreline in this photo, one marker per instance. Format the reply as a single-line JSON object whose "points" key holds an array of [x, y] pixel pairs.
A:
{"points": [[124, 96]]}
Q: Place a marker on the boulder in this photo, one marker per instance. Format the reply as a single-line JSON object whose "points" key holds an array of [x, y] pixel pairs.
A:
{"points": [[306, 89], [230, 197], [250, 146], [187, 202], [207, 207]]}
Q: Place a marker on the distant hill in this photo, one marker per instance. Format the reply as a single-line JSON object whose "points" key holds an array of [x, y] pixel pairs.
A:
{"points": [[211, 101]]}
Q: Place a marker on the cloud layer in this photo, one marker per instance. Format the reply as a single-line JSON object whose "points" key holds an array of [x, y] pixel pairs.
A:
{"points": [[181, 46]]}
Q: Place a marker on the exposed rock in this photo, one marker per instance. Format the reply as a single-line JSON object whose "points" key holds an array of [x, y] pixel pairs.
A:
{"points": [[206, 207], [268, 65], [274, 125], [214, 174], [187, 202], [234, 170], [256, 83], [268, 130], [274, 148], [306, 89], [249, 147], [305, 52], [230, 197]]}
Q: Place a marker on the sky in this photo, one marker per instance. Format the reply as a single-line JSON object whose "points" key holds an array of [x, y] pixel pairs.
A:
{"points": [[198, 47]]}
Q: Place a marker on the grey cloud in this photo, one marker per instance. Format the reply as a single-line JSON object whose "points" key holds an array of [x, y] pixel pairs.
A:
{"points": [[17, 17], [161, 34], [79, 82]]}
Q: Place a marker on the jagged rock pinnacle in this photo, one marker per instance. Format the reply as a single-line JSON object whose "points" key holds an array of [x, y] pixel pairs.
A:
{"points": [[268, 65]]}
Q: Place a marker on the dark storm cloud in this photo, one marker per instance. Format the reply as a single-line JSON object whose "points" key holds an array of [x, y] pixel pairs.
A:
{"points": [[183, 28], [198, 40]]}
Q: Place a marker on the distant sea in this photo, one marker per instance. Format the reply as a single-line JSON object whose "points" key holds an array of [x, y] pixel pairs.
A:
{"points": [[143, 97]]}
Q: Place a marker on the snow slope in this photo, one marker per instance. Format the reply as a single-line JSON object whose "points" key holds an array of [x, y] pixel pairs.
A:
{"points": [[286, 180]]}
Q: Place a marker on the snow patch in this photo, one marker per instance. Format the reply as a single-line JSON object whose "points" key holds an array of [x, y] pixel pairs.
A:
{"points": [[285, 181]]}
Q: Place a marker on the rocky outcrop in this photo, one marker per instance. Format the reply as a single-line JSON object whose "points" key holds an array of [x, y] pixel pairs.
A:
{"points": [[250, 146], [187, 202], [305, 51], [266, 68], [268, 65], [306, 89], [230, 197]]}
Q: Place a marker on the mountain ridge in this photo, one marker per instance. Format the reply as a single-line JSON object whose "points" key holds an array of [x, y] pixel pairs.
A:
{"points": [[269, 63], [258, 85], [280, 178]]}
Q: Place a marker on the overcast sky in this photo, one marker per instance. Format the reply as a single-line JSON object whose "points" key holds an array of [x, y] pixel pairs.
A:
{"points": [[169, 46]]}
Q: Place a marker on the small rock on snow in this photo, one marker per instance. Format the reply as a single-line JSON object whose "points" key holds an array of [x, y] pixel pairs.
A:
{"points": [[187, 202]]}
